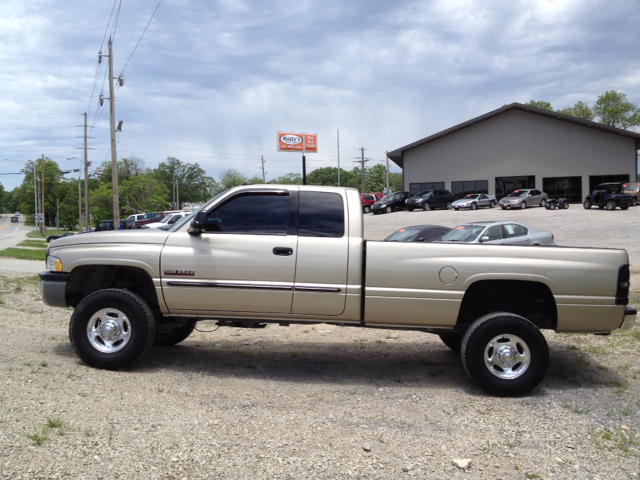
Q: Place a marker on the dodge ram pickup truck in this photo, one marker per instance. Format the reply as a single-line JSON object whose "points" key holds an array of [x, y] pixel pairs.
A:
{"points": [[269, 254]]}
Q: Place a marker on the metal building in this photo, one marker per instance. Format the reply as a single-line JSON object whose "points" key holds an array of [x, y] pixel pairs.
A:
{"points": [[518, 146]]}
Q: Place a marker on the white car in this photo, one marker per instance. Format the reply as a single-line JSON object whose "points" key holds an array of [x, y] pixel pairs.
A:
{"points": [[169, 219]]}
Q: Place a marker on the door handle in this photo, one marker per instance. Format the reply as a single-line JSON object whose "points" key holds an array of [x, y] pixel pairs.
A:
{"points": [[283, 251]]}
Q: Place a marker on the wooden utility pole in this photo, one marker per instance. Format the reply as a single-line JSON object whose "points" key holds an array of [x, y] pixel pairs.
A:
{"points": [[86, 178], [114, 156], [42, 187], [362, 169], [264, 178], [338, 157], [387, 157]]}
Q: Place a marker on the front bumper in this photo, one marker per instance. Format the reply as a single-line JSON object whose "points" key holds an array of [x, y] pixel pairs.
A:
{"points": [[629, 320], [53, 286]]}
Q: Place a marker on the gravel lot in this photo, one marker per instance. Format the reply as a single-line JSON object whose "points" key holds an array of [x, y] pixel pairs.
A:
{"points": [[319, 402]]}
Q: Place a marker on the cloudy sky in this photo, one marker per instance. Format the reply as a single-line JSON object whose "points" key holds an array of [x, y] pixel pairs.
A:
{"points": [[213, 81]]}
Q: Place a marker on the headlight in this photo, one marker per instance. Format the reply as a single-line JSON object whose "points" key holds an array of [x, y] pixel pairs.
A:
{"points": [[54, 264]]}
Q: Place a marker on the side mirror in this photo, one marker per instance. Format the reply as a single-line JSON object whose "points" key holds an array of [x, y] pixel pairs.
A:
{"points": [[484, 239], [199, 223]]}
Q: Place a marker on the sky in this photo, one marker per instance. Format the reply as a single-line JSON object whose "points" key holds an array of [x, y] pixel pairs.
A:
{"points": [[212, 82]]}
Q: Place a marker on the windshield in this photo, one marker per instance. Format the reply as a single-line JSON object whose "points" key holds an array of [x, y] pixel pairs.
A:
{"points": [[387, 198], [464, 233], [166, 219], [423, 193], [519, 193], [472, 196], [176, 226], [147, 216], [402, 235]]}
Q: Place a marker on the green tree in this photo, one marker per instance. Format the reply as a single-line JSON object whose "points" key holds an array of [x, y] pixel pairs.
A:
{"points": [[579, 110], [540, 104], [615, 110], [395, 182], [328, 176], [375, 178], [288, 179], [24, 197], [193, 182], [230, 178]]}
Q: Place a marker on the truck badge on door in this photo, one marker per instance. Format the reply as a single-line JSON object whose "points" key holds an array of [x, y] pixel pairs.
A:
{"points": [[189, 273]]}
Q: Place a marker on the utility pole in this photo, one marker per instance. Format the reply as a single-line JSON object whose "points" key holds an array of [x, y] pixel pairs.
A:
{"points": [[173, 191], [264, 178], [387, 157], [79, 204], [87, 223], [35, 192], [43, 226], [338, 157], [114, 156], [362, 162]]}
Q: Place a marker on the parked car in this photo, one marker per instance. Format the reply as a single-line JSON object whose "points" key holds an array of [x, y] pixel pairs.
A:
{"points": [[137, 216], [14, 219], [608, 195], [475, 200], [55, 237], [169, 219], [108, 225], [523, 198], [430, 199], [146, 218], [391, 202], [368, 199], [632, 188], [498, 233], [418, 233], [17, 214]]}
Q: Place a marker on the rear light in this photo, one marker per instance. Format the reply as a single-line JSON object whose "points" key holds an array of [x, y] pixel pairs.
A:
{"points": [[622, 291]]}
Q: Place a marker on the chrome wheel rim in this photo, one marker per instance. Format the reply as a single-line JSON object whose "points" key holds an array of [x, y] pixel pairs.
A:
{"points": [[507, 356], [109, 330]]}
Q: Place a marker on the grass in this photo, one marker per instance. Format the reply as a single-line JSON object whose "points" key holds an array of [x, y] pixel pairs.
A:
{"points": [[33, 243], [23, 254], [624, 441], [39, 437]]}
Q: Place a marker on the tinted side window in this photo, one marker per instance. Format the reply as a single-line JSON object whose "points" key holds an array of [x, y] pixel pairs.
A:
{"points": [[494, 232], [260, 214], [321, 215], [514, 230]]}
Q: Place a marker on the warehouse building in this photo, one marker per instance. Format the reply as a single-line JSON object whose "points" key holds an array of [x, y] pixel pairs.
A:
{"points": [[518, 146]]}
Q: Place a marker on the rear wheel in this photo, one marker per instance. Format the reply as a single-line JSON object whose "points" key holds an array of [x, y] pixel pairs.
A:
{"points": [[543, 202], [366, 208], [587, 204], [565, 205], [448, 206], [492, 204], [610, 205], [634, 200], [111, 329], [451, 340], [624, 206], [505, 354], [410, 209]]}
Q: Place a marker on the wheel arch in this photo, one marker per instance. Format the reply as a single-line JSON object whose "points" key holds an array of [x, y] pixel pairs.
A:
{"points": [[530, 299], [86, 279]]}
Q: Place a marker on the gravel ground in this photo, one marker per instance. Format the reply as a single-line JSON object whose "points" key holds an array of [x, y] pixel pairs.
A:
{"points": [[318, 402]]}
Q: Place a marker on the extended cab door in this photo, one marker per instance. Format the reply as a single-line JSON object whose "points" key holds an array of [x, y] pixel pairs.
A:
{"points": [[323, 254], [244, 261]]}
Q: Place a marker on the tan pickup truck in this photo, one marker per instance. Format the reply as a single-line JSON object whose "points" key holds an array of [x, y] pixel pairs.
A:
{"points": [[296, 254]]}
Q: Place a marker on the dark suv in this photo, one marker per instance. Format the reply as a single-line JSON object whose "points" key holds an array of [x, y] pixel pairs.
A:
{"points": [[609, 196], [430, 199], [391, 202]]}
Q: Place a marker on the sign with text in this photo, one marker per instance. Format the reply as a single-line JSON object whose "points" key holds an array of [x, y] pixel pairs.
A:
{"points": [[294, 142]]}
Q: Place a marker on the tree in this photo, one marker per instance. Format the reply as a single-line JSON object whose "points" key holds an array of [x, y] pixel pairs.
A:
{"points": [[395, 182], [615, 110], [375, 178], [24, 198], [328, 176], [540, 104], [230, 178], [288, 179], [579, 110], [193, 182]]}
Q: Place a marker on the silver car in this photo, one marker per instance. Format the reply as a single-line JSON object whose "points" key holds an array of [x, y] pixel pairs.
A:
{"points": [[498, 233], [523, 198], [475, 200]]}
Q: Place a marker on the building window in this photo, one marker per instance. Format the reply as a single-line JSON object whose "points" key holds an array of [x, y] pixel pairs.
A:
{"points": [[563, 187], [460, 189], [595, 180], [506, 185], [416, 187]]}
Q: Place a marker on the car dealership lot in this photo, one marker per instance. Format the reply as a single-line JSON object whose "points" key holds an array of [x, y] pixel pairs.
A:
{"points": [[319, 401]]}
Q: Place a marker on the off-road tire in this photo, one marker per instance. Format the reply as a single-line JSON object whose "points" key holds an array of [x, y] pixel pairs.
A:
{"points": [[587, 204], [525, 354], [173, 336], [96, 321], [610, 205]]}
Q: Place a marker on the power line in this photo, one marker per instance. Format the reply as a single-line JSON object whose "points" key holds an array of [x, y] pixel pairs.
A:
{"points": [[144, 31]]}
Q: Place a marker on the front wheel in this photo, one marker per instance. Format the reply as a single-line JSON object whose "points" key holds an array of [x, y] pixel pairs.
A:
{"points": [[410, 209], [111, 329], [173, 336], [426, 206], [624, 206], [523, 205], [565, 205], [587, 204], [473, 206], [388, 209], [505, 354], [551, 206], [610, 205]]}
